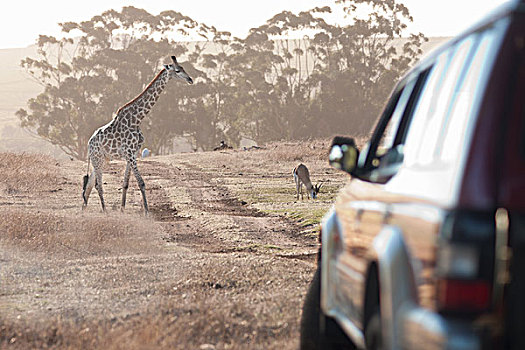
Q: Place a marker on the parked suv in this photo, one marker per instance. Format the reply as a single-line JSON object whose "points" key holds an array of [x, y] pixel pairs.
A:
{"points": [[424, 248]]}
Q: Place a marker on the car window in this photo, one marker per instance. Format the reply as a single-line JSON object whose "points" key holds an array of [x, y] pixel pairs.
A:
{"points": [[387, 139], [463, 103], [385, 151], [425, 107], [433, 105], [368, 152]]}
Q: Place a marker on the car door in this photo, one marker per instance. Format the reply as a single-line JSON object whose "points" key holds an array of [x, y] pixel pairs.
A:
{"points": [[360, 206]]}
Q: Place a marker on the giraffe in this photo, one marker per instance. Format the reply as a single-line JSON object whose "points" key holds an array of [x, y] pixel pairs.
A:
{"points": [[122, 137]]}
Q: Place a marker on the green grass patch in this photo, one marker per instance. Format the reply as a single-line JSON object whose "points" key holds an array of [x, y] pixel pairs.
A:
{"points": [[305, 217], [267, 195], [277, 196], [312, 217]]}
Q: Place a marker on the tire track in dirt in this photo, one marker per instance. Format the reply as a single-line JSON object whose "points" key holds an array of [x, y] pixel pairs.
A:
{"points": [[204, 268], [198, 212]]}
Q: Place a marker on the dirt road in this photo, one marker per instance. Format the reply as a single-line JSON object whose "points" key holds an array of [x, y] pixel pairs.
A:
{"points": [[222, 262]]}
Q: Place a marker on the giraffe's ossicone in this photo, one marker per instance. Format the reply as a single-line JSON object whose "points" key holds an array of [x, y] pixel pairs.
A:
{"points": [[122, 138]]}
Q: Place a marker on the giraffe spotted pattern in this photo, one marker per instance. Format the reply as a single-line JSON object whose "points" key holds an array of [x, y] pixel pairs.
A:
{"points": [[122, 137]]}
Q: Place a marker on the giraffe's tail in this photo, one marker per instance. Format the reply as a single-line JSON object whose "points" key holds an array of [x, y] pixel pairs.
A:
{"points": [[86, 179]]}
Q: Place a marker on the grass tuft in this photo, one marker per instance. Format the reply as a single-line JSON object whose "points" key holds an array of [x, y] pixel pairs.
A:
{"points": [[27, 173], [89, 235]]}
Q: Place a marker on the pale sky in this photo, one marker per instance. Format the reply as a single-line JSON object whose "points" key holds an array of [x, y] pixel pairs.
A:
{"points": [[22, 21]]}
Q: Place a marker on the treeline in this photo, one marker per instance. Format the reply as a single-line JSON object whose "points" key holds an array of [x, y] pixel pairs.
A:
{"points": [[264, 87]]}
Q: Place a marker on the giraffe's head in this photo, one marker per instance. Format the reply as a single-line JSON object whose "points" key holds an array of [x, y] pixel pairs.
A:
{"points": [[176, 71]]}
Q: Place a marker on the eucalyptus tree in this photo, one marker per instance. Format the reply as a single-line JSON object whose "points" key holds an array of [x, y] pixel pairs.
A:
{"points": [[360, 62], [109, 61], [301, 75], [297, 76]]}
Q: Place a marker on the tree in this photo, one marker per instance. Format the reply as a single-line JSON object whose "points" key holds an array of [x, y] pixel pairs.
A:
{"points": [[70, 95], [333, 81], [360, 63], [297, 76], [87, 79]]}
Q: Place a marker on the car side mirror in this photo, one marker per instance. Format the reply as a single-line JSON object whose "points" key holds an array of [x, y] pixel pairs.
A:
{"points": [[344, 154]]}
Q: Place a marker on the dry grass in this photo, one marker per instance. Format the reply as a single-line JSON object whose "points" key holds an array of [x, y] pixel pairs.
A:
{"points": [[263, 178], [27, 173], [298, 151], [72, 236], [176, 327], [219, 308], [87, 280], [302, 151]]}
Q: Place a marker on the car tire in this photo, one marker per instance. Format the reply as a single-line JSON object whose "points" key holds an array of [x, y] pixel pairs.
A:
{"points": [[373, 333], [319, 331]]}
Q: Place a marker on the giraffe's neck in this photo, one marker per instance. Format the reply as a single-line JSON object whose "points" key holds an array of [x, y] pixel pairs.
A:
{"points": [[134, 111]]}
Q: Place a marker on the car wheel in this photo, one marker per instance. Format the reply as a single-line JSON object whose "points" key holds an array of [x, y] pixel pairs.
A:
{"points": [[317, 330], [373, 334]]}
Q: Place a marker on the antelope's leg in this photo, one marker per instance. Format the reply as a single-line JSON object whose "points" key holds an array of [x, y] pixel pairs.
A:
{"points": [[297, 184]]}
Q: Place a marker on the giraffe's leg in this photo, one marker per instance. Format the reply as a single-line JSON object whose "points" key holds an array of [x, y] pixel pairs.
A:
{"points": [[297, 187], [140, 181], [87, 189], [98, 186], [125, 185], [301, 186]]}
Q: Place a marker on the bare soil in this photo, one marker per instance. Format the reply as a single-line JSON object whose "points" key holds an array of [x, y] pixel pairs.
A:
{"points": [[222, 262]]}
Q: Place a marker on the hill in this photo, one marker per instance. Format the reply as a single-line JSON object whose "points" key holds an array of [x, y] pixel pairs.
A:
{"points": [[16, 88]]}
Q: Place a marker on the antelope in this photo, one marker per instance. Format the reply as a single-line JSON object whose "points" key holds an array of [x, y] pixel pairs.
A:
{"points": [[301, 176]]}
